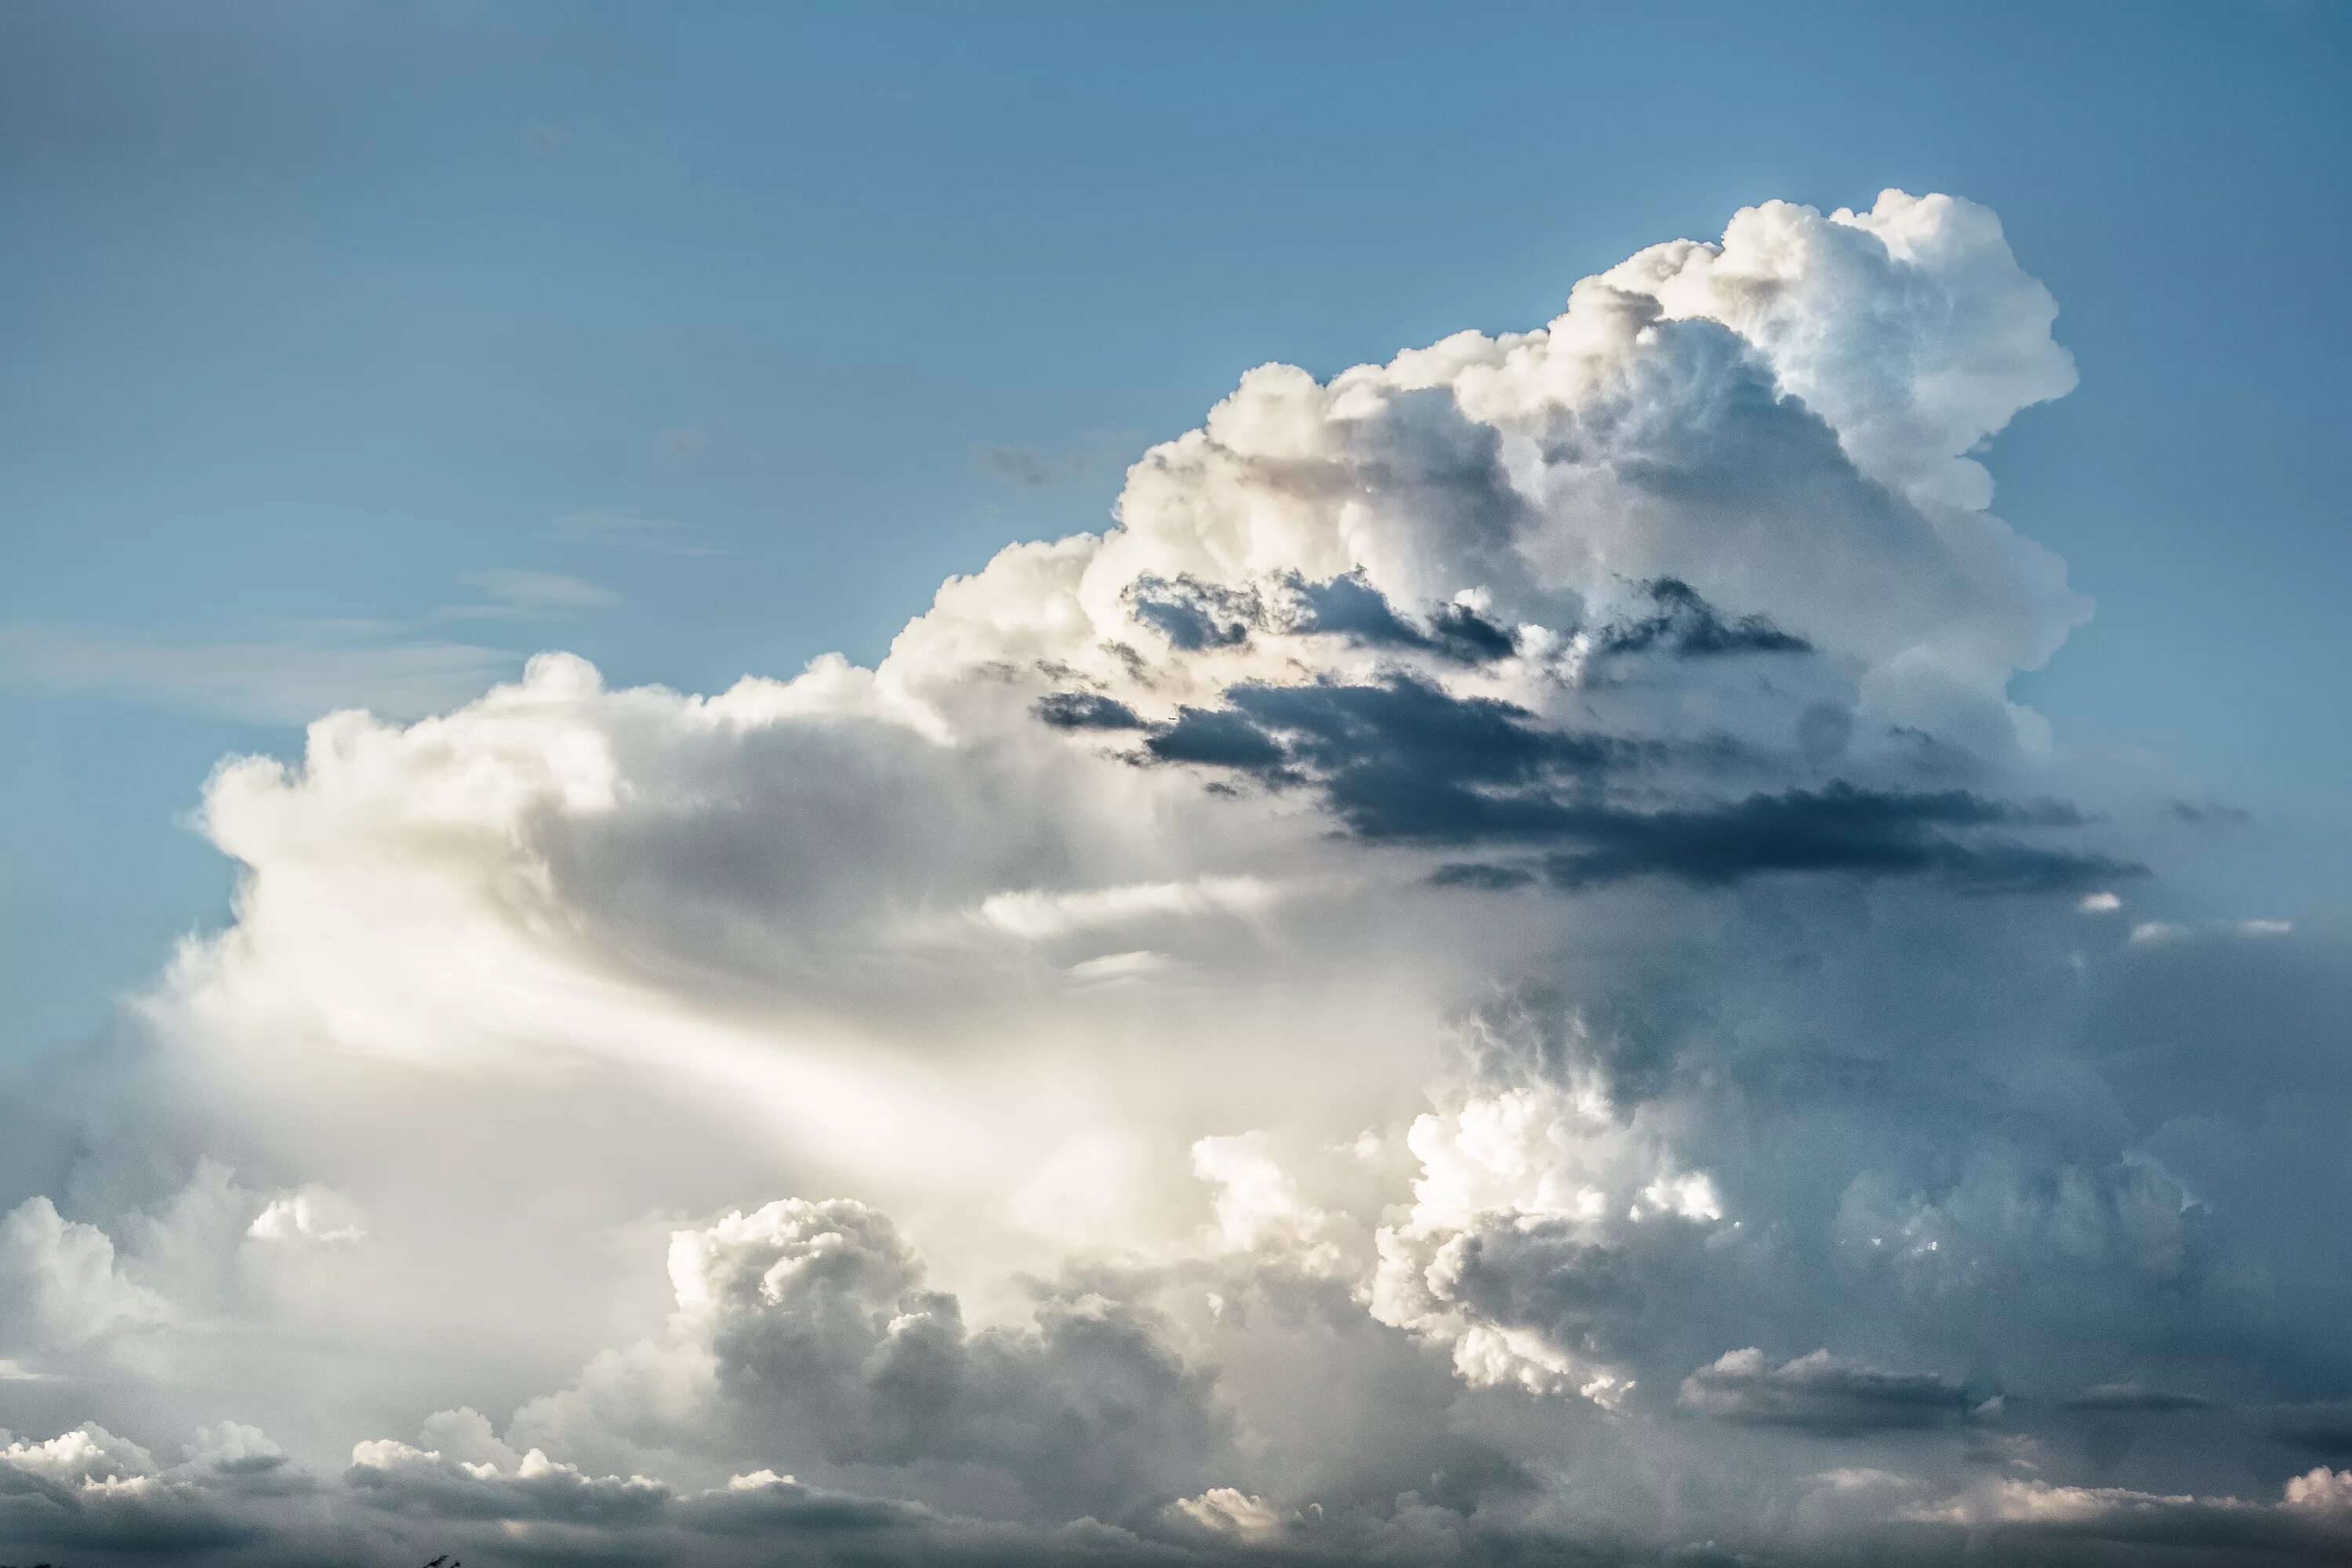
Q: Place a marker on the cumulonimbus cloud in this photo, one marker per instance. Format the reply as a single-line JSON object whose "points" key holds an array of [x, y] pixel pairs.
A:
{"points": [[1331, 1021]]}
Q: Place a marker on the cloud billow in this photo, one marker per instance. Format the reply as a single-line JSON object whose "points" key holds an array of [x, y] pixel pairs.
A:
{"points": [[1401, 759], [1821, 1394], [1690, 627], [1331, 1021]]}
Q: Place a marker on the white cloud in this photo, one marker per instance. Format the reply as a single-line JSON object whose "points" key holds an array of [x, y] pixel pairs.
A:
{"points": [[515, 593], [315, 1215], [1494, 951], [2322, 1491], [284, 682], [61, 1284], [626, 530], [90, 1455], [1032, 915], [1223, 1511]]}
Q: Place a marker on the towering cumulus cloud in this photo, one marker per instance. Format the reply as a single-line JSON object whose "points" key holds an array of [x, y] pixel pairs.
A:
{"points": [[1490, 976]]}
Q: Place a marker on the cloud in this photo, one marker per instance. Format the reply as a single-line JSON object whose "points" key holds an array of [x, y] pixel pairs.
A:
{"points": [[1350, 607], [626, 530], [1821, 1393], [1839, 829], [685, 443], [1683, 623], [2323, 1428], [394, 668], [1224, 1511], [2022, 1516], [1022, 465], [2132, 1397], [1404, 760], [1035, 468], [821, 1309], [89, 1491], [1085, 711], [2322, 1492], [1338, 1017], [531, 595], [316, 1215], [289, 682], [1034, 916], [1401, 758], [63, 1283], [396, 1476]]}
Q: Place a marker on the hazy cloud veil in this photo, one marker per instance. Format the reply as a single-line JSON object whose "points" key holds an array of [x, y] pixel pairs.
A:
{"points": [[1490, 976]]}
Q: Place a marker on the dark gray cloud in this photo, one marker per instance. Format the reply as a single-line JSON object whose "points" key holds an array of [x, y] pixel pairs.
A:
{"points": [[2323, 1429], [1402, 759], [1683, 623], [1219, 738], [2131, 1396], [1464, 633], [1398, 758], [1193, 615], [93, 1492], [1840, 828], [1085, 711], [770, 1506], [1350, 607], [1022, 465], [1481, 876], [1821, 1394]]}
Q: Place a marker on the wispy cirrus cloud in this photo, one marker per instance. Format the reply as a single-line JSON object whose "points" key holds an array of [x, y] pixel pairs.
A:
{"points": [[1037, 467], [617, 529], [509, 593], [289, 680], [296, 671]]}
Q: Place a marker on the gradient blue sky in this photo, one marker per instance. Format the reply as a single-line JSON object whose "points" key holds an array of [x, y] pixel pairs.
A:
{"points": [[325, 322]]}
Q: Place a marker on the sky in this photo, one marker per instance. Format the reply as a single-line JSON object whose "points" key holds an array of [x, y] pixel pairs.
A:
{"points": [[833, 779]]}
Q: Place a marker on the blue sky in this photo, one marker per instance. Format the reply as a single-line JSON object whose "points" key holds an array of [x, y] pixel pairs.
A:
{"points": [[345, 341]]}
